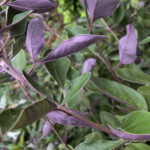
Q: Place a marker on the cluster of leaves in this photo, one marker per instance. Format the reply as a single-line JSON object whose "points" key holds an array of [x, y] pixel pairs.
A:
{"points": [[86, 78]]}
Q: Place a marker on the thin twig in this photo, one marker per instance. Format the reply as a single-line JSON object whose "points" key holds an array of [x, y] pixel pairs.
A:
{"points": [[3, 2], [55, 131]]}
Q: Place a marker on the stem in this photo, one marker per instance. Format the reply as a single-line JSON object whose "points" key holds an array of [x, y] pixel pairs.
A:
{"points": [[102, 57], [87, 121], [3, 2], [110, 30], [54, 130]]}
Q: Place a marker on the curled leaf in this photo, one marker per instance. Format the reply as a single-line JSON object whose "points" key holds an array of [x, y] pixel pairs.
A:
{"points": [[63, 118], [38, 6], [128, 46], [88, 65], [129, 136], [35, 38], [72, 46], [100, 8], [46, 130]]}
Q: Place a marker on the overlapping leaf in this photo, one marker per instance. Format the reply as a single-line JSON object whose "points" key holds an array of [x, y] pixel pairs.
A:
{"points": [[120, 92], [16, 20], [73, 46], [16, 118], [35, 38], [133, 74], [100, 8], [38, 6]]}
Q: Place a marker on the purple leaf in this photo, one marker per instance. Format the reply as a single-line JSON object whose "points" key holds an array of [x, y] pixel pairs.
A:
{"points": [[46, 130], [72, 46], [129, 136], [88, 65], [1, 38], [100, 8], [63, 118], [35, 38], [38, 6], [128, 46]]}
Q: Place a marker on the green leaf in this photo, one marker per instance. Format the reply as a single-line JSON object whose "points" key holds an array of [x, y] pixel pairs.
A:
{"points": [[58, 70], [16, 20], [133, 74], [137, 122], [17, 46], [109, 119], [34, 85], [16, 118], [99, 145], [119, 13], [120, 92], [75, 30], [137, 146], [19, 29], [20, 60], [76, 85], [145, 41], [145, 91]]}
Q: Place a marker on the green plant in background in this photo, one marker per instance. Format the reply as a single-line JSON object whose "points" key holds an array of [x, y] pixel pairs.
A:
{"points": [[74, 74]]}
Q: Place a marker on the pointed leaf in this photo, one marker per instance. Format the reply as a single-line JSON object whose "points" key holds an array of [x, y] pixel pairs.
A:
{"points": [[133, 74], [38, 6], [58, 70], [19, 117], [16, 20], [128, 46], [46, 130], [101, 8], [73, 46], [76, 85], [120, 92], [99, 145], [145, 41], [35, 38], [129, 136]]}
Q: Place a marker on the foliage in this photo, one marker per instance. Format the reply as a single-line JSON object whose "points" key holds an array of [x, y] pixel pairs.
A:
{"points": [[74, 74]]}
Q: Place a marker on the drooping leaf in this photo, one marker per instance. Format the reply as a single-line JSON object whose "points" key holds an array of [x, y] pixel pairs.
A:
{"points": [[129, 136], [100, 9], [76, 85], [20, 60], [63, 118], [137, 146], [58, 69], [109, 119], [88, 65], [33, 85], [73, 46], [16, 20], [35, 38], [137, 122], [120, 92], [19, 117], [119, 13], [38, 6], [99, 145], [133, 74], [128, 46], [46, 129]]}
